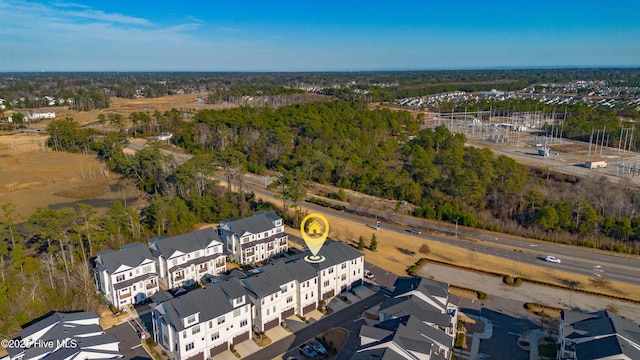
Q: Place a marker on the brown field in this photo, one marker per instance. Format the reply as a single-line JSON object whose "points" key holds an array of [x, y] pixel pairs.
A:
{"points": [[396, 252], [31, 176]]}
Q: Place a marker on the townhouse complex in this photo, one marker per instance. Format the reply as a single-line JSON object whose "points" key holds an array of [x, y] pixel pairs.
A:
{"points": [[206, 322], [417, 322], [134, 273]]}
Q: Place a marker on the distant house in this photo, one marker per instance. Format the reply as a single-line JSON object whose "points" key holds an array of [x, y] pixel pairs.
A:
{"points": [[127, 276], [417, 322], [164, 137], [75, 336], [253, 239], [186, 258], [597, 335], [30, 116], [204, 322]]}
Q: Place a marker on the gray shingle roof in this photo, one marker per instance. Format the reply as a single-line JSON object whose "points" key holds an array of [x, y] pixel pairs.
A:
{"points": [[301, 270], [198, 301], [616, 335], [131, 255], [426, 286], [186, 243], [259, 222], [269, 280], [375, 354]]}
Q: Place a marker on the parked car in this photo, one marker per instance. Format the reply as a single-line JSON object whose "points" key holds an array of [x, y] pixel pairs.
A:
{"points": [[307, 351], [415, 231], [368, 274], [552, 259], [318, 347], [292, 358]]}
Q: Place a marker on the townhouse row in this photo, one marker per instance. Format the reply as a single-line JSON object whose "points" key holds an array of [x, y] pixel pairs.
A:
{"points": [[205, 322], [134, 273]]}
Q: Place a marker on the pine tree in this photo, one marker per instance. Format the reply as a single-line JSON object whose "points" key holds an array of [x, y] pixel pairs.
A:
{"points": [[373, 245], [361, 244]]}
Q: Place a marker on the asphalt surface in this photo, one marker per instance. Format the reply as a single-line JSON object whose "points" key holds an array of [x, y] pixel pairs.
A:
{"points": [[349, 318], [574, 259]]}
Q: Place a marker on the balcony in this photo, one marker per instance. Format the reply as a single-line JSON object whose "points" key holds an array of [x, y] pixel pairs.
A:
{"points": [[178, 277], [151, 285], [125, 295], [270, 247], [202, 269]]}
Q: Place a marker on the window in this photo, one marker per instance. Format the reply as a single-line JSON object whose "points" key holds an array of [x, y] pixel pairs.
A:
{"points": [[184, 334], [243, 323], [221, 320], [146, 269], [326, 283], [236, 313], [174, 262], [215, 336], [306, 296], [344, 265], [120, 278], [330, 270], [289, 299], [189, 346], [210, 324], [315, 281], [344, 277], [195, 330], [191, 319], [267, 311], [283, 289]]}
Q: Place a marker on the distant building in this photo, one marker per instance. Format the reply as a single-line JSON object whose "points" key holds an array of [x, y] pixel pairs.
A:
{"points": [[595, 164], [76, 336]]}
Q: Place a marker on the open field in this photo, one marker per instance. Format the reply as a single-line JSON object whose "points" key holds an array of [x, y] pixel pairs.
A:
{"points": [[31, 176]]}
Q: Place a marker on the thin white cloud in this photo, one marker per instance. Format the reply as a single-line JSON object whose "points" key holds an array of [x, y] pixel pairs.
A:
{"points": [[228, 29], [70, 5], [195, 19], [108, 17]]}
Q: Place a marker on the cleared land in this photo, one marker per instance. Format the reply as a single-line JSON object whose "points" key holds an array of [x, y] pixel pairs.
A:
{"points": [[31, 176]]}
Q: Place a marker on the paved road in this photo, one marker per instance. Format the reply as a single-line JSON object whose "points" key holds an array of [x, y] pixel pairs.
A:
{"points": [[574, 259], [349, 318]]}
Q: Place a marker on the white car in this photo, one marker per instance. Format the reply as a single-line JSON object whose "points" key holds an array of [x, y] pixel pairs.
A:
{"points": [[552, 259], [368, 274]]}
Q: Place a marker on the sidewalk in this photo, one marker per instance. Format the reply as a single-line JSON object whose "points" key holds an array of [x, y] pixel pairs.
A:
{"points": [[487, 333], [294, 323]]}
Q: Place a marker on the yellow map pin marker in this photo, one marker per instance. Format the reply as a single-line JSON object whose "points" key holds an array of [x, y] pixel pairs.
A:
{"points": [[314, 234]]}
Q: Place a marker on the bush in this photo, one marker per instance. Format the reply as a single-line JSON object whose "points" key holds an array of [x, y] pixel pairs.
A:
{"points": [[461, 340], [424, 249], [482, 295]]}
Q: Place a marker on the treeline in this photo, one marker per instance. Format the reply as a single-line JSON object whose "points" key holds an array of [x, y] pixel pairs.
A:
{"points": [[384, 153]]}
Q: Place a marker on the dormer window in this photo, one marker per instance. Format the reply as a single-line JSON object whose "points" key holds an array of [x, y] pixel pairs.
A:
{"points": [[120, 278], [191, 319]]}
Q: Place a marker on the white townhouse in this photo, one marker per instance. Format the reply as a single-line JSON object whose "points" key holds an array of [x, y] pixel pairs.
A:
{"points": [[253, 239], [186, 258], [75, 335], [127, 276], [306, 285], [204, 322], [343, 269], [273, 294]]}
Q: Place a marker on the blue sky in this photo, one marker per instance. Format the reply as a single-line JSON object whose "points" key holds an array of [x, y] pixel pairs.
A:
{"points": [[309, 35]]}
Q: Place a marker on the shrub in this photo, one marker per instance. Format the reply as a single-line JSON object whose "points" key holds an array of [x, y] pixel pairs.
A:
{"points": [[424, 249], [461, 340], [482, 295]]}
